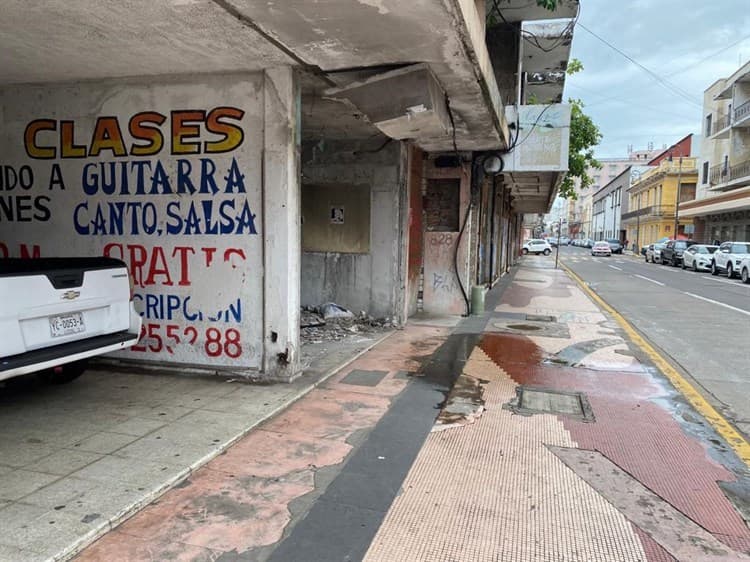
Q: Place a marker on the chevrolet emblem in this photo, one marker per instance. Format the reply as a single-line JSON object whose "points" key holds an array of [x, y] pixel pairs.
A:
{"points": [[71, 295]]}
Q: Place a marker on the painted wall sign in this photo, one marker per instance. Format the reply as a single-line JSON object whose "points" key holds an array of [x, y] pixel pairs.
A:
{"points": [[164, 176]]}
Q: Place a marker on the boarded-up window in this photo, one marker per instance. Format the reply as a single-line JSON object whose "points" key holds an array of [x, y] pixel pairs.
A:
{"points": [[336, 218], [441, 204]]}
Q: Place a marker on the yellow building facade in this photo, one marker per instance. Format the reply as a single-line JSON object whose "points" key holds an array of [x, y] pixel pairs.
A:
{"points": [[652, 202]]}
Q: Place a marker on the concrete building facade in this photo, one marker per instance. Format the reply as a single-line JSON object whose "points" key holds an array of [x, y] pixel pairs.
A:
{"points": [[379, 155], [581, 212], [721, 210]]}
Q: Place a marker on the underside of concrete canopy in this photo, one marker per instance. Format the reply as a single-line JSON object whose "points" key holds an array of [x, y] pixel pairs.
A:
{"points": [[80, 40]]}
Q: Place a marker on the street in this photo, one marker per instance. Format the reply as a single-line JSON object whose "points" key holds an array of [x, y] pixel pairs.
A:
{"points": [[700, 321]]}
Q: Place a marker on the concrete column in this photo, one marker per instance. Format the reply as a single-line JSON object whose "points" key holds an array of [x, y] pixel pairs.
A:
{"points": [[281, 212]]}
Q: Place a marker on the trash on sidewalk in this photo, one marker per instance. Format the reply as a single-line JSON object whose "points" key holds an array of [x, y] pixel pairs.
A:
{"points": [[332, 310], [332, 322], [464, 404]]}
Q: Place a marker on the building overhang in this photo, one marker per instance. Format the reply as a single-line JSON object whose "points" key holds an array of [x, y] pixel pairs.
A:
{"points": [[537, 164], [333, 43], [545, 52], [736, 200], [515, 11]]}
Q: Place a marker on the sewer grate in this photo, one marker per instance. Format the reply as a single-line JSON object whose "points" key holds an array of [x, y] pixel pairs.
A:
{"points": [[535, 400], [540, 318]]}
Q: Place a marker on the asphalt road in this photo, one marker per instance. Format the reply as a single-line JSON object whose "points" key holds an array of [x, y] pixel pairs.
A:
{"points": [[700, 321]]}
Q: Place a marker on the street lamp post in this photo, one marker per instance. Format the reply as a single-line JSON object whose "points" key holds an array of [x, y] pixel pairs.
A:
{"points": [[677, 201]]}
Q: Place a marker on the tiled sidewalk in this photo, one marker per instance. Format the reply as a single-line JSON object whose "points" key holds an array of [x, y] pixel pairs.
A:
{"points": [[498, 489]]}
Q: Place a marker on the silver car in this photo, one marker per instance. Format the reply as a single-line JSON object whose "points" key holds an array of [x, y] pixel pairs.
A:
{"points": [[698, 257], [653, 253]]}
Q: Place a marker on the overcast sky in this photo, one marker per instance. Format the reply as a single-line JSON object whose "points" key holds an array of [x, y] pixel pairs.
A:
{"points": [[670, 38]]}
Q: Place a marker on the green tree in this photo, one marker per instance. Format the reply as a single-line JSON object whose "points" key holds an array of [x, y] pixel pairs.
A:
{"points": [[584, 136]]}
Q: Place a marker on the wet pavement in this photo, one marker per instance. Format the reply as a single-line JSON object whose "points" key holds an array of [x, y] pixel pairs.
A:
{"points": [[536, 432]]}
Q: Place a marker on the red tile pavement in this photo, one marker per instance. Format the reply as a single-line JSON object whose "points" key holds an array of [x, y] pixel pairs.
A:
{"points": [[637, 432], [240, 500]]}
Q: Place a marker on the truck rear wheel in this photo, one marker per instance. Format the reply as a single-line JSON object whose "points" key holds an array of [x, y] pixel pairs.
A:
{"points": [[64, 374]]}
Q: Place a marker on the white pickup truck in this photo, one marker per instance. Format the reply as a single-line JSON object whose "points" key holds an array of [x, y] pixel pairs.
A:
{"points": [[55, 313]]}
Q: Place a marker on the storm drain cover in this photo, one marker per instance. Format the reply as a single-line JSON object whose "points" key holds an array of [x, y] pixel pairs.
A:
{"points": [[535, 400], [540, 318]]}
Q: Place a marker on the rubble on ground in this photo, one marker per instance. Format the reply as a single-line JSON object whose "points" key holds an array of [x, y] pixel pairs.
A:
{"points": [[339, 324]]}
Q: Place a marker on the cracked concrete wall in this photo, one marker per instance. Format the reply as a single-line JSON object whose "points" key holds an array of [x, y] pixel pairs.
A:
{"points": [[366, 281]]}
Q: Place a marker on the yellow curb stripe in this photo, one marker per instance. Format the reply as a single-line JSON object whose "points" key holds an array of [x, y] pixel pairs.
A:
{"points": [[717, 421]]}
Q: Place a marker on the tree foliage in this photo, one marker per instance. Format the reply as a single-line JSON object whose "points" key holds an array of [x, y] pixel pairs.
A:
{"points": [[584, 136], [551, 5]]}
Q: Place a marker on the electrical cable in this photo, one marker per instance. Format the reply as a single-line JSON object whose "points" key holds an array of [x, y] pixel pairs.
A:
{"points": [[468, 207], [665, 83], [539, 118]]}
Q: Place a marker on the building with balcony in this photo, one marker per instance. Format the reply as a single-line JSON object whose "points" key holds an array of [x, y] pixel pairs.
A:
{"points": [[609, 204], [721, 210], [653, 205]]}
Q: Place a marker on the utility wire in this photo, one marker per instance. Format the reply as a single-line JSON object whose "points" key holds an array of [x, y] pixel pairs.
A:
{"points": [[627, 102], [665, 83], [673, 73]]}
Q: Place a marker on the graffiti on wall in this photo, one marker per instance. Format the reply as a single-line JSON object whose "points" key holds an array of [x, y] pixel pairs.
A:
{"points": [[172, 192]]}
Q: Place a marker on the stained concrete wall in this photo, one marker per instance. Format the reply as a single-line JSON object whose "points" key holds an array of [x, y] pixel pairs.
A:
{"points": [[166, 174], [369, 281]]}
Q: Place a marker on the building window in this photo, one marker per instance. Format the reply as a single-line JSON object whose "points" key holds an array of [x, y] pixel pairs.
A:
{"points": [[708, 125], [704, 179]]}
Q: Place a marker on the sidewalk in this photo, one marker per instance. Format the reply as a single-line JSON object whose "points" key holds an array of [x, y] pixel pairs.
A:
{"points": [[560, 443]]}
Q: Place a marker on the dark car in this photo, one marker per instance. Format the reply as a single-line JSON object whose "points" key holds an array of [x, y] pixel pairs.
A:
{"points": [[672, 252], [615, 245]]}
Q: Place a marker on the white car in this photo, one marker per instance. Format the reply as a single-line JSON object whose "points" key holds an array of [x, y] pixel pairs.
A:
{"points": [[745, 270], [728, 257], [536, 246], [601, 248], [59, 312], [698, 257]]}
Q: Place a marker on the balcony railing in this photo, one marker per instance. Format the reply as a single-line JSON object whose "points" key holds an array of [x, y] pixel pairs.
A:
{"points": [[720, 122], [742, 111], [723, 173], [651, 211]]}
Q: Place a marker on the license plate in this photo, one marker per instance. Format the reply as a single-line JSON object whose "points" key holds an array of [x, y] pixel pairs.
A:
{"points": [[66, 324]]}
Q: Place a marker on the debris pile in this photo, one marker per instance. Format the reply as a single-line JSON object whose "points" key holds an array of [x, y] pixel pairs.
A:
{"points": [[333, 322]]}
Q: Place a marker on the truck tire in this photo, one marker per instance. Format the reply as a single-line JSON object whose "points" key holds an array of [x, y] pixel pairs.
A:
{"points": [[64, 373]]}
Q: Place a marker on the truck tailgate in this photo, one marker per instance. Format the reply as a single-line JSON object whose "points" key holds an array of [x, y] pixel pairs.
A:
{"points": [[58, 301]]}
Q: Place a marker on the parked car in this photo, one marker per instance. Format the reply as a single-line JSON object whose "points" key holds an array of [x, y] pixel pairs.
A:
{"points": [[698, 257], [745, 270], [728, 257], [552, 241], [614, 245], [58, 312], [601, 248], [673, 250], [588, 243], [536, 246], [653, 253], [564, 240]]}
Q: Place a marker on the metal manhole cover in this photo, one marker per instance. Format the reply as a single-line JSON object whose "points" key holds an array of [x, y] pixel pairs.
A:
{"points": [[535, 400], [540, 318]]}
